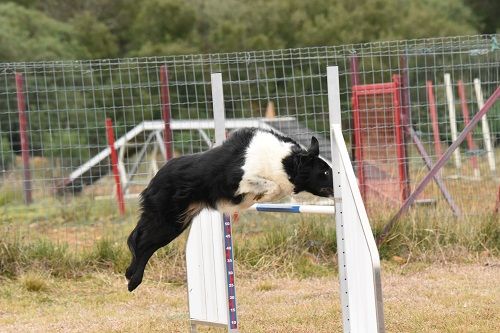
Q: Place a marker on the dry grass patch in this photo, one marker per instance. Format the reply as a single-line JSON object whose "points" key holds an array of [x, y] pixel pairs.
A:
{"points": [[417, 298], [34, 282]]}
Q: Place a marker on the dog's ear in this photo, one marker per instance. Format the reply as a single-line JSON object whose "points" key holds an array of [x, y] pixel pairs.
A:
{"points": [[313, 149]]}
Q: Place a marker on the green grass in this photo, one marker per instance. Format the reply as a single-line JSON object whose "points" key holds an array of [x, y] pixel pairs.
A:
{"points": [[57, 255], [292, 245]]}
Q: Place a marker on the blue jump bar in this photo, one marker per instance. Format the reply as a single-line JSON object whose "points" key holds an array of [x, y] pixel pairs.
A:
{"points": [[278, 208]]}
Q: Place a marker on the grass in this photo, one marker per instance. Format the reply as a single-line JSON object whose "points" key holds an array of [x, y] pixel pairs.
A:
{"points": [[62, 263], [433, 298], [34, 282], [286, 245]]}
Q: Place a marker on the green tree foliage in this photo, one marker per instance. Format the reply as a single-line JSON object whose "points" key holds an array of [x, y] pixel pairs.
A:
{"points": [[27, 34], [117, 28], [163, 27], [488, 13], [328, 23], [95, 35], [6, 156]]}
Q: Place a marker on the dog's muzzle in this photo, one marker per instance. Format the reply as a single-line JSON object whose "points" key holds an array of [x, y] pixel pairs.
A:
{"points": [[327, 191]]}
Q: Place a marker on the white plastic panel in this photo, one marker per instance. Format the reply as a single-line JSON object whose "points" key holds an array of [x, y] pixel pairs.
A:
{"points": [[207, 289], [359, 264]]}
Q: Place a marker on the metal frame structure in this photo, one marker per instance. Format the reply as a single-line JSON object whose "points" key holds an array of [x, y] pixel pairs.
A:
{"points": [[398, 88], [155, 130], [366, 91]]}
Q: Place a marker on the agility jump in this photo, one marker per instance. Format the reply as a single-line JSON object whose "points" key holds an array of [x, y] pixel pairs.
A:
{"points": [[212, 283]]}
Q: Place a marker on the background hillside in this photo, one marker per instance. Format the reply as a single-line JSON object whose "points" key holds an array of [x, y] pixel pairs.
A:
{"points": [[89, 29]]}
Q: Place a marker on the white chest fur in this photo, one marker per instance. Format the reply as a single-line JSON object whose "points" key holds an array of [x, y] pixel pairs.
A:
{"points": [[264, 177]]}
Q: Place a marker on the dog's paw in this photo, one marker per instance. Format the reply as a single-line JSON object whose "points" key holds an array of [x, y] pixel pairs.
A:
{"points": [[258, 196]]}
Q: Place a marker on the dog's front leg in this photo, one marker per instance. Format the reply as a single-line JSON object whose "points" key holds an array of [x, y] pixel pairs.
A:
{"points": [[262, 189]]}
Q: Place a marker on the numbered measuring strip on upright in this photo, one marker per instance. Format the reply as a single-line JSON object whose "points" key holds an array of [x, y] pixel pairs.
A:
{"points": [[231, 290]]}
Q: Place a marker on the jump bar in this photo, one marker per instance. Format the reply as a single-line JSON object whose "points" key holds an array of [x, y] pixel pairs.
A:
{"points": [[293, 208]]}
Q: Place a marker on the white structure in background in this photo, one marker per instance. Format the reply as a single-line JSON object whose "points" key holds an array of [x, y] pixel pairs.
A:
{"points": [[453, 119], [211, 280], [486, 128]]}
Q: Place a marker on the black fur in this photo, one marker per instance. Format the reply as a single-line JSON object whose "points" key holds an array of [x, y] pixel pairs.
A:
{"points": [[189, 183]]}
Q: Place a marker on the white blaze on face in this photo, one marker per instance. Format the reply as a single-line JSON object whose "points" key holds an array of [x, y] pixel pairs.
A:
{"points": [[263, 161]]}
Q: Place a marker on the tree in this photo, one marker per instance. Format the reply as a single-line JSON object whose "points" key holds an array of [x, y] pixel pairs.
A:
{"points": [[27, 34], [95, 35], [487, 12], [163, 27], [372, 20]]}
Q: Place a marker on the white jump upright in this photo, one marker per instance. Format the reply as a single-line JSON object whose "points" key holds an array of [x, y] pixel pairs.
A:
{"points": [[209, 252], [490, 153], [358, 258], [453, 119], [209, 258]]}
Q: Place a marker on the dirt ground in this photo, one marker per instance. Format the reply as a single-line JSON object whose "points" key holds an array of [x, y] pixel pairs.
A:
{"points": [[418, 298]]}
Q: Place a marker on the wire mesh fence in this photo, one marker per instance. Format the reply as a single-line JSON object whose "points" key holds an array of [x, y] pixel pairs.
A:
{"points": [[403, 103]]}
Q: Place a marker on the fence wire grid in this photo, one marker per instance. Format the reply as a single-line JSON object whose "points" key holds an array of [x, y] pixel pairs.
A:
{"points": [[402, 102]]}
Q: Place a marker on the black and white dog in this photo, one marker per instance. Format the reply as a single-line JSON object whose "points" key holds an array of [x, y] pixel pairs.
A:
{"points": [[252, 165]]}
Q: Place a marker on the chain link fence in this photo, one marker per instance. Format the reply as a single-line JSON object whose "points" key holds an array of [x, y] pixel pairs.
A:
{"points": [[403, 104]]}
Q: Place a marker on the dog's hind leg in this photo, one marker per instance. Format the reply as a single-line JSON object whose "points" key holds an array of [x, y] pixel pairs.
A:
{"points": [[137, 274], [132, 245], [143, 242]]}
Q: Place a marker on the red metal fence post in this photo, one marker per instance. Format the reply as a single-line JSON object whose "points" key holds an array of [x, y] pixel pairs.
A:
{"points": [[434, 118], [399, 114], [356, 151], [470, 142], [404, 100], [114, 164], [358, 145], [354, 63], [165, 106], [25, 146]]}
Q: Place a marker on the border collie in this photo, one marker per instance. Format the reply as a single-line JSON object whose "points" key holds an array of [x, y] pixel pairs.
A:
{"points": [[252, 165]]}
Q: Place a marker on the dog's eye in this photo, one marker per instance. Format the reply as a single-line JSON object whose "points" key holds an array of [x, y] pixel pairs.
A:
{"points": [[327, 173]]}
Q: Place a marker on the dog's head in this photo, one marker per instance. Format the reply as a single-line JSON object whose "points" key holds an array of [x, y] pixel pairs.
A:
{"points": [[310, 173]]}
